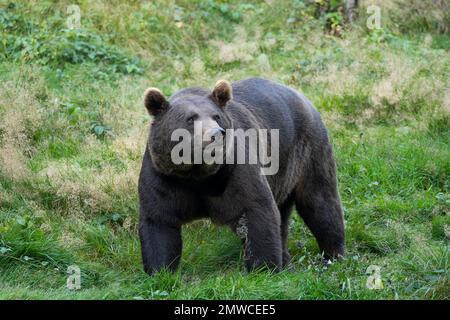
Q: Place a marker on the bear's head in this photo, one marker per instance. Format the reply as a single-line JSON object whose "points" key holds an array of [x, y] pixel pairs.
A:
{"points": [[196, 118]]}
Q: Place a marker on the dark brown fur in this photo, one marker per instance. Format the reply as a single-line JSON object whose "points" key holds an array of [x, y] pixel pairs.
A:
{"points": [[237, 195]]}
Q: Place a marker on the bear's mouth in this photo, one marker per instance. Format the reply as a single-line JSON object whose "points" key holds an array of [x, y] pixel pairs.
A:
{"points": [[195, 171], [192, 160], [213, 154]]}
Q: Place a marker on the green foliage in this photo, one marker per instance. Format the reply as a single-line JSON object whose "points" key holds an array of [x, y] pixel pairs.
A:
{"points": [[25, 40], [100, 130], [441, 227], [73, 130], [331, 14], [380, 35], [440, 126], [23, 242], [422, 16], [225, 9]]}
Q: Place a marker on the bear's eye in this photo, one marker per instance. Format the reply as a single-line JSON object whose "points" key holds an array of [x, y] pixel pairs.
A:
{"points": [[216, 117], [191, 119]]}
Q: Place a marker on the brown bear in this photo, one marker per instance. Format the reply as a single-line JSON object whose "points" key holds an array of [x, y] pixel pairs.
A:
{"points": [[256, 206]]}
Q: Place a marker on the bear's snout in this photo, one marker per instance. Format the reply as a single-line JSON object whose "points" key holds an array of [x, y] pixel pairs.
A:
{"points": [[217, 132]]}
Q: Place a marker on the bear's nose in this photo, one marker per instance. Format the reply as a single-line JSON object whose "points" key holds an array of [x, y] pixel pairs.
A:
{"points": [[216, 132]]}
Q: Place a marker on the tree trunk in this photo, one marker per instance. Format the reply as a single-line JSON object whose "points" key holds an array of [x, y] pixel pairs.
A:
{"points": [[350, 7]]}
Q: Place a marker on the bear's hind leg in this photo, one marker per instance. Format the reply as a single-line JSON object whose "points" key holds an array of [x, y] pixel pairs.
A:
{"points": [[321, 211], [285, 213]]}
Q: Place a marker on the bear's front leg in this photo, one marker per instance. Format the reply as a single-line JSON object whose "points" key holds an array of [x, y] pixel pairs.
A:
{"points": [[160, 244], [259, 231], [248, 206]]}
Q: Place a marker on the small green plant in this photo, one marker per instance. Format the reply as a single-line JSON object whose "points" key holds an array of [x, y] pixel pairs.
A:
{"points": [[441, 227], [380, 35], [23, 242], [330, 13], [100, 130], [230, 13]]}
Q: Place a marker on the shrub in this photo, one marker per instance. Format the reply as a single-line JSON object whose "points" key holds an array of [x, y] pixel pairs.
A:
{"points": [[440, 227], [28, 41], [422, 16]]}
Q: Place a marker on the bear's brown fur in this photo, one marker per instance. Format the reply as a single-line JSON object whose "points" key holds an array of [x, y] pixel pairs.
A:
{"points": [[255, 206]]}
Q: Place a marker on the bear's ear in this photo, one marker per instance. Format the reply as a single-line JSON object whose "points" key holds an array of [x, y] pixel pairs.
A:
{"points": [[154, 101], [222, 92]]}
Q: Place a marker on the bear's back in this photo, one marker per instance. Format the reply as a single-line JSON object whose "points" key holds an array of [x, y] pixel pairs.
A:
{"points": [[277, 106]]}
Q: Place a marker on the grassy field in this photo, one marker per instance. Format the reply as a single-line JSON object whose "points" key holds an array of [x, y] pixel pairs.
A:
{"points": [[73, 130]]}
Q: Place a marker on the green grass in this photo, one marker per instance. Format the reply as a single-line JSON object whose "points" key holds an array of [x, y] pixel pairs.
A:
{"points": [[73, 129]]}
